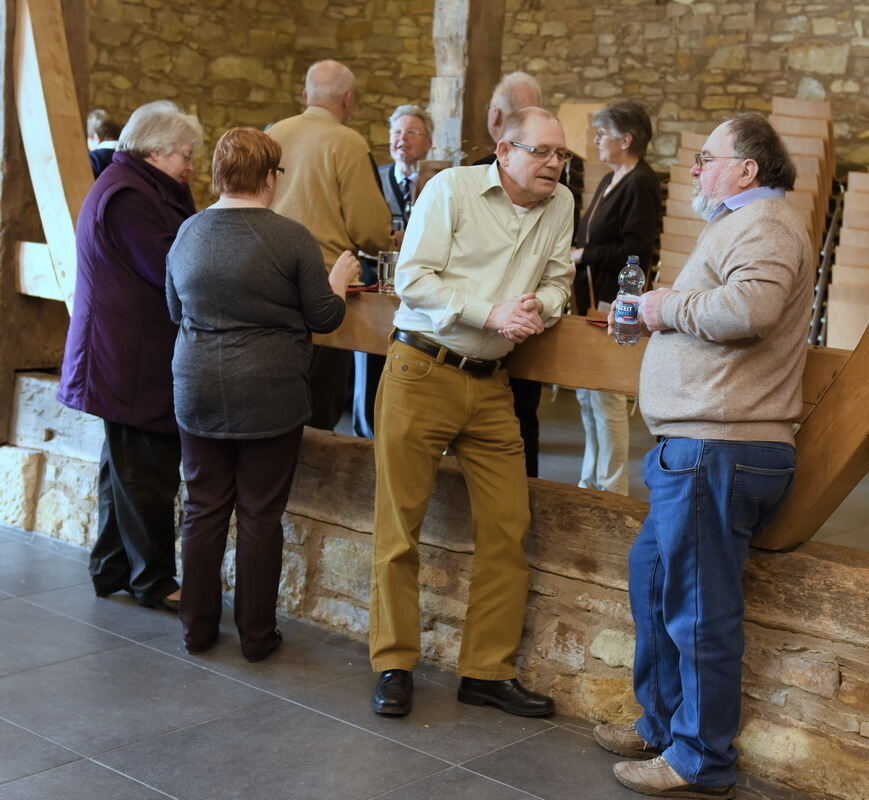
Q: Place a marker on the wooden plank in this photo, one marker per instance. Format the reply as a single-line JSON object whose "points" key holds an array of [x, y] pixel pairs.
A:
{"points": [[858, 181], [792, 107], [855, 211], [677, 208], [852, 256], [685, 156], [576, 120], [684, 227], [850, 276], [51, 129], [853, 237], [847, 314], [680, 174], [678, 244], [667, 274], [571, 353], [35, 274], [832, 456], [692, 140], [682, 192], [484, 35]]}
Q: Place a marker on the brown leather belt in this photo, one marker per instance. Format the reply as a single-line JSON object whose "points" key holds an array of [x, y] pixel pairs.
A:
{"points": [[443, 355]]}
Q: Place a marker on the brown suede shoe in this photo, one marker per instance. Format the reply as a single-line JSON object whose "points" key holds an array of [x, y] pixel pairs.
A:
{"points": [[658, 779], [624, 740]]}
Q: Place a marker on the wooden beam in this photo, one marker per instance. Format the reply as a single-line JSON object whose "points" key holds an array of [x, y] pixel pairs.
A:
{"points": [[571, 353], [50, 122], [832, 455], [467, 36], [485, 34]]}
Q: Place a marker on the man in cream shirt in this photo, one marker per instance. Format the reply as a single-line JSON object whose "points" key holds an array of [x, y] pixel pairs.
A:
{"points": [[484, 264]]}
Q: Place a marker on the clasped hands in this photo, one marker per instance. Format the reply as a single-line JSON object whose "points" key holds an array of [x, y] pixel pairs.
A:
{"points": [[518, 318]]}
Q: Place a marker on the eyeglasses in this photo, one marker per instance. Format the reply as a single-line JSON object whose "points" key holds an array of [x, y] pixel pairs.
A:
{"points": [[545, 152], [701, 158], [409, 132], [188, 157], [279, 170]]}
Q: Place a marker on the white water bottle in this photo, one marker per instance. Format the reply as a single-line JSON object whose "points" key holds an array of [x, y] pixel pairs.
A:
{"points": [[631, 281]]}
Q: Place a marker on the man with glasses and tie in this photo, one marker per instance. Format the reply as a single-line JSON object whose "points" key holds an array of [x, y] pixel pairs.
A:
{"points": [[410, 132], [720, 387], [485, 263]]}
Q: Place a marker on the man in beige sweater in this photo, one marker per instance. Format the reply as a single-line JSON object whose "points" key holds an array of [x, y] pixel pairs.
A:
{"points": [[720, 387], [330, 186]]}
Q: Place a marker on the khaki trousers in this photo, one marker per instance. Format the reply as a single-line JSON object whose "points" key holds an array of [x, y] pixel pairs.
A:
{"points": [[421, 408]]}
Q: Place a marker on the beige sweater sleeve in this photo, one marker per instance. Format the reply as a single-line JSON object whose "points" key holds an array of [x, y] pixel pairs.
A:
{"points": [[756, 268]]}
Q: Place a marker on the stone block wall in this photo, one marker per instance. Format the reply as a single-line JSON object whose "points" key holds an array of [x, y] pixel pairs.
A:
{"points": [[695, 63], [806, 666], [242, 62]]}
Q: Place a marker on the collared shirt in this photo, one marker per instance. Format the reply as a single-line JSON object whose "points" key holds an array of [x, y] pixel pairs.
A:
{"points": [[746, 197], [466, 250]]}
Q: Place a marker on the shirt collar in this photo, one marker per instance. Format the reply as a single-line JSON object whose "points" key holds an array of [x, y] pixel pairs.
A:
{"points": [[400, 176], [746, 197], [493, 179]]}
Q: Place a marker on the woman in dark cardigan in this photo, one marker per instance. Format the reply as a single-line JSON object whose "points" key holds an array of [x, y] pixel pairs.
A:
{"points": [[247, 286], [622, 220], [117, 363]]}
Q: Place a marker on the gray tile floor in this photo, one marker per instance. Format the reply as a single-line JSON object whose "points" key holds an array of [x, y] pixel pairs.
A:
{"points": [[99, 701]]}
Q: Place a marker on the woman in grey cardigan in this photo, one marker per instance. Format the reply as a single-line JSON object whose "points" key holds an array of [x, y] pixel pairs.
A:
{"points": [[247, 287]]}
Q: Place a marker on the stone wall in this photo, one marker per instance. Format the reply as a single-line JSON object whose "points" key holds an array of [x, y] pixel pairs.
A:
{"points": [[243, 62], [806, 679], [694, 62]]}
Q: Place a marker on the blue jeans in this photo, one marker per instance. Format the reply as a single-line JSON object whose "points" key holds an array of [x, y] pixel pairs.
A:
{"points": [[708, 498]]}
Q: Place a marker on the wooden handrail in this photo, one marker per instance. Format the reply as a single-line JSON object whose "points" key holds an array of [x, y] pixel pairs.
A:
{"points": [[571, 353]]}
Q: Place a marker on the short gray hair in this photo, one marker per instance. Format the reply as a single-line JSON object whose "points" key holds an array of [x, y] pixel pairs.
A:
{"points": [[159, 127], [623, 118], [413, 111], [328, 81], [516, 90]]}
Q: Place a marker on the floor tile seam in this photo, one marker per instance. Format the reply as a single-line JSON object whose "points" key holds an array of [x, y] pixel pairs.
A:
{"points": [[533, 735], [132, 778], [64, 660], [297, 703], [81, 756], [172, 731], [26, 599], [420, 779], [502, 783], [44, 548]]}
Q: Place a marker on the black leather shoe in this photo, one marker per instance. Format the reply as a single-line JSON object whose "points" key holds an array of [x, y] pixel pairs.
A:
{"points": [[509, 696], [393, 693], [196, 650], [264, 652]]}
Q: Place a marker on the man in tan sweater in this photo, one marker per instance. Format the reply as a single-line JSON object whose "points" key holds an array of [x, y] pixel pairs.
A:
{"points": [[720, 387], [330, 186]]}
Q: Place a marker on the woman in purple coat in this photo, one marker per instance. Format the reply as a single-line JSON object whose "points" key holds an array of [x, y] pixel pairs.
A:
{"points": [[117, 363]]}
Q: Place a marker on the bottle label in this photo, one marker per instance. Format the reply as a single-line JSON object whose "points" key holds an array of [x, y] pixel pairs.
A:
{"points": [[627, 311]]}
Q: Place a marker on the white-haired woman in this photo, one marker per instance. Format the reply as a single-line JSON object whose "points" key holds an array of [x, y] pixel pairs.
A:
{"points": [[117, 363]]}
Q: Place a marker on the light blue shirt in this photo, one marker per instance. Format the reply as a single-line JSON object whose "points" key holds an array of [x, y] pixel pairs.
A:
{"points": [[746, 197]]}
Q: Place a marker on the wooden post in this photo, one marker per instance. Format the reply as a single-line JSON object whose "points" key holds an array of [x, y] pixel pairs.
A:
{"points": [[467, 43], [33, 329]]}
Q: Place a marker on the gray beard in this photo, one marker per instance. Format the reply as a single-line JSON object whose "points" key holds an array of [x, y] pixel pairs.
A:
{"points": [[703, 206]]}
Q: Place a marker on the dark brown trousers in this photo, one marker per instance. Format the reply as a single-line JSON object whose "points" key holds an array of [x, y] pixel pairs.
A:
{"points": [[254, 477]]}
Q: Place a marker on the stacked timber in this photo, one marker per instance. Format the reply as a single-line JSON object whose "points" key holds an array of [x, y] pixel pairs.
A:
{"points": [[681, 225], [848, 294], [806, 127]]}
